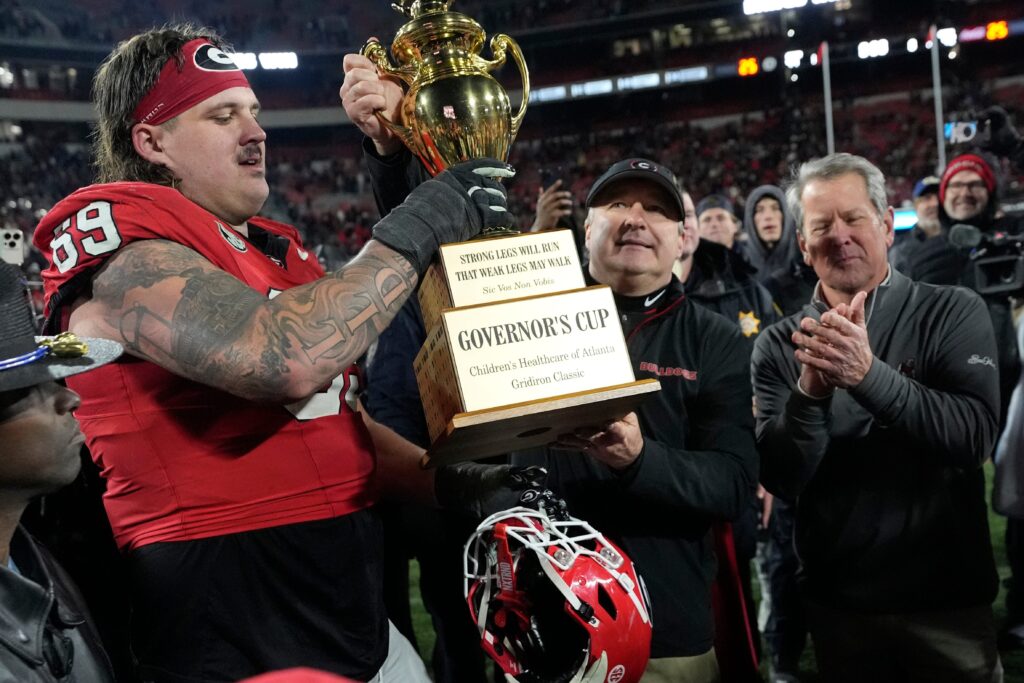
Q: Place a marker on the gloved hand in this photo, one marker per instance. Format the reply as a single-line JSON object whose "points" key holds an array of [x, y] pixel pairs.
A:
{"points": [[1003, 138], [479, 490], [452, 207]]}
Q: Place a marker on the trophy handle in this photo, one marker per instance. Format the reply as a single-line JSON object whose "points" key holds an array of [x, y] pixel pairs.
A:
{"points": [[375, 52], [499, 43]]}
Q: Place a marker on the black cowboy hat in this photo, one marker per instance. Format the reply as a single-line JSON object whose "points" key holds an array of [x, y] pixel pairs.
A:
{"points": [[27, 359]]}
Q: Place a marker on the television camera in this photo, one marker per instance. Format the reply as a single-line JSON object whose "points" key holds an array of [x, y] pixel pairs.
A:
{"points": [[997, 259]]}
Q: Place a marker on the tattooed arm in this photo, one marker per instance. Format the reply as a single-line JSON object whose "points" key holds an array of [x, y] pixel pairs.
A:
{"points": [[166, 303]]}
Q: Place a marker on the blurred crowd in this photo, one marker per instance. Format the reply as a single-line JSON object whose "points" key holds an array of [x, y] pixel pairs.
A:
{"points": [[325, 192]]}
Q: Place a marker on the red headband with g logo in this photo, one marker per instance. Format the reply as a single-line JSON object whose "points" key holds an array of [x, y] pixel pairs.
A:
{"points": [[206, 70]]}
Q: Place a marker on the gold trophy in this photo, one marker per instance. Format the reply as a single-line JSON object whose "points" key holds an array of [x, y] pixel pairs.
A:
{"points": [[518, 349], [454, 109]]}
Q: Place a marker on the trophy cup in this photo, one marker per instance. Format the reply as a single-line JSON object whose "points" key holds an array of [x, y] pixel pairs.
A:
{"points": [[518, 349]]}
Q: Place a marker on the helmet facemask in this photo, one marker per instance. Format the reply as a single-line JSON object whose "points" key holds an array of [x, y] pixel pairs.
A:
{"points": [[555, 601]]}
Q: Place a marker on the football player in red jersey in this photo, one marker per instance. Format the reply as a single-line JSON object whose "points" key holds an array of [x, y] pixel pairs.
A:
{"points": [[239, 478]]}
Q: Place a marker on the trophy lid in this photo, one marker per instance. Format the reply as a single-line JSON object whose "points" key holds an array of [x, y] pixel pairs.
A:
{"points": [[418, 8]]}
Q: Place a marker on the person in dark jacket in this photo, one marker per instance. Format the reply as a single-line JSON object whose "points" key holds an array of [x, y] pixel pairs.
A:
{"points": [[771, 239], [716, 220], [46, 634], [911, 247], [878, 424], [722, 280]]}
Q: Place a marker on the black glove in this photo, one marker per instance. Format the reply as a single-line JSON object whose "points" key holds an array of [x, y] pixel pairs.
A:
{"points": [[452, 207], [544, 499], [479, 490], [1003, 138]]}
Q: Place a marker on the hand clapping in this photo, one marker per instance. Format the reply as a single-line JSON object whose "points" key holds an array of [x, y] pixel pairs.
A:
{"points": [[836, 351]]}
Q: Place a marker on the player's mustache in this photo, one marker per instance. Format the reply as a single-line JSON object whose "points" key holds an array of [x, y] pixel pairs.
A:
{"points": [[250, 153]]}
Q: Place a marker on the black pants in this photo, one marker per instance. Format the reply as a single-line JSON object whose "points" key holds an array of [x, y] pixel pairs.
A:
{"points": [[951, 646], [436, 538], [785, 629], [228, 607]]}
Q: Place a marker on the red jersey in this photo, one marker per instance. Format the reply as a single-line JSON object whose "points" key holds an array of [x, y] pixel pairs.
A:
{"points": [[183, 460]]}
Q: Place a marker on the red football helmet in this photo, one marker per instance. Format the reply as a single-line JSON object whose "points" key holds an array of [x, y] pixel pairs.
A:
{"points": [[555, 601]]}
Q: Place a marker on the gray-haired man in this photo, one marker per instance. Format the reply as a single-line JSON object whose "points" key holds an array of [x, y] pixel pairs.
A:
{"points": [[878, 405]]}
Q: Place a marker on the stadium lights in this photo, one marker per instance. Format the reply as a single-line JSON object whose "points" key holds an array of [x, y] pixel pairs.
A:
{"points": [[279, 60], [625, 83], [589, 88], [689, 74], [946, 36], [553, 93], [867, 49], [244, 60], [638, 81], [762, 6], [268, 60]]}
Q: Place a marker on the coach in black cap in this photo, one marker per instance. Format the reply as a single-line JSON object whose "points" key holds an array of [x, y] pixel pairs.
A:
{"points": [[45, 634], [646, 171], [655, 480]]}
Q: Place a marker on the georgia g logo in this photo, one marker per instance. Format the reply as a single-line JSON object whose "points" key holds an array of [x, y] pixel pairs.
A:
{"points": [[643, 165], [211, 58], [232, 238]]}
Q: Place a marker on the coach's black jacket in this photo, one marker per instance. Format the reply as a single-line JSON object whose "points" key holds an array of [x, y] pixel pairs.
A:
{"points": [[891, 514], [699, 462], [45, 633]]}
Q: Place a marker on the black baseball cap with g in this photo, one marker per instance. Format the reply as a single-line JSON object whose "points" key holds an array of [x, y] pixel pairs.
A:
{"points": [[641, 169]]}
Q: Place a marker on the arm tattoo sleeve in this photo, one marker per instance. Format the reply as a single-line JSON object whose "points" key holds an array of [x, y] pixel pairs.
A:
{"points": [[171, 306]]}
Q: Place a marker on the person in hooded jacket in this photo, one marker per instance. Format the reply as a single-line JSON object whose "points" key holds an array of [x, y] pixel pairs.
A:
{"points": [[782, 270], [771, 240]]}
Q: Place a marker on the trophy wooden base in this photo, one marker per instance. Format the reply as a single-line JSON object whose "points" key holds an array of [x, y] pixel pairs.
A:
{"points": [[483, 433]]}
